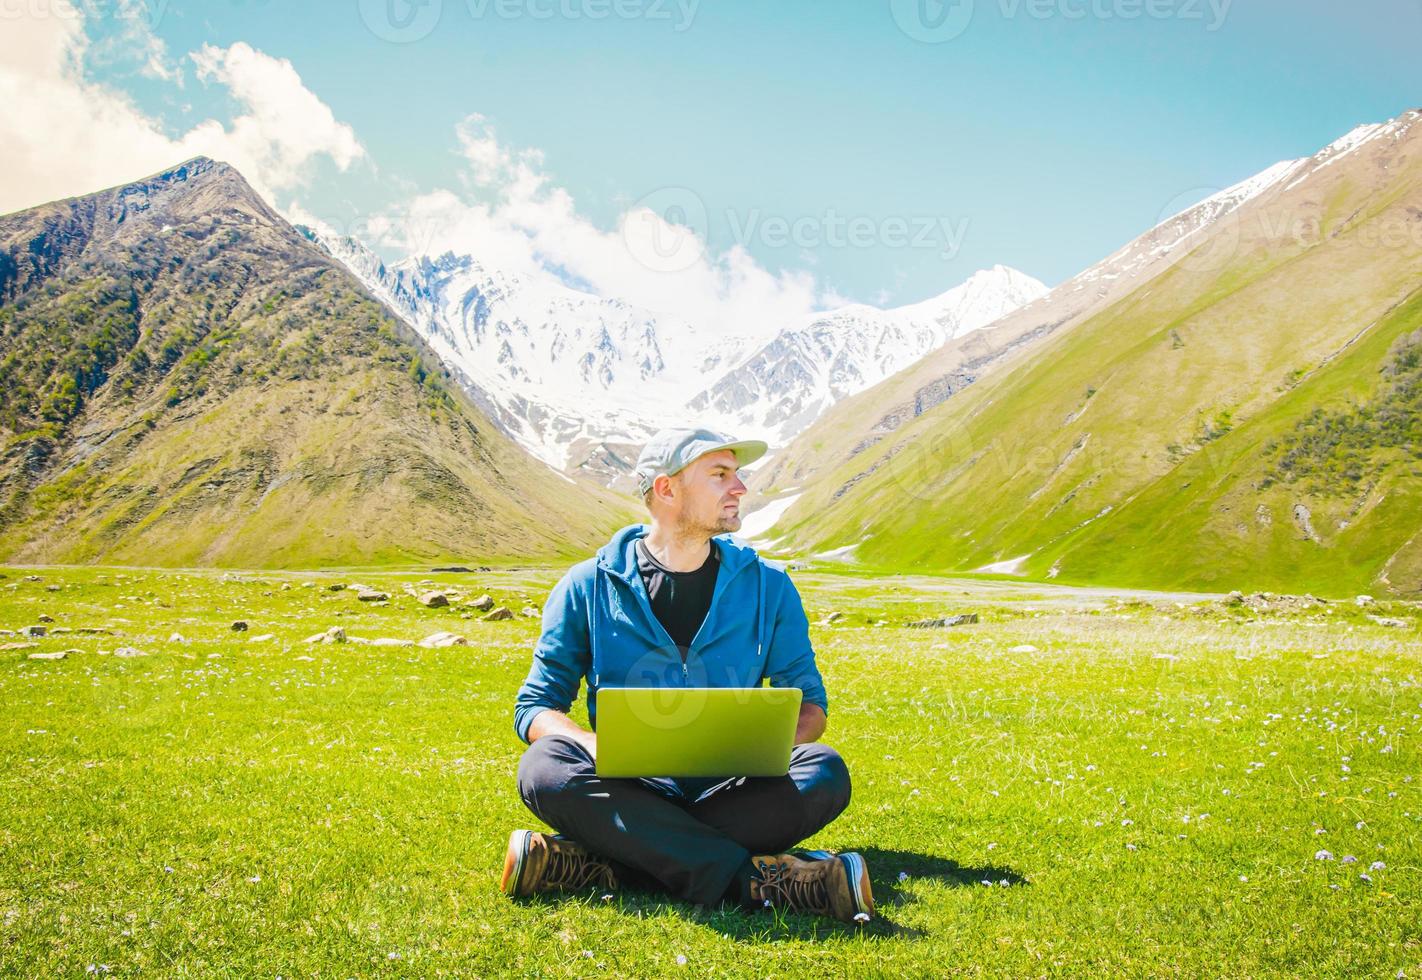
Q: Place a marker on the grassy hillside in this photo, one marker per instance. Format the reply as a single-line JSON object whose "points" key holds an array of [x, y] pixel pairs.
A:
{"points": [[1172, 439], [189, 381]]}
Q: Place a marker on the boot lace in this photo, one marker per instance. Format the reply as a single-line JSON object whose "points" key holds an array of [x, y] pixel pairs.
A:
{"points": [[571, 869], [780, 886]]}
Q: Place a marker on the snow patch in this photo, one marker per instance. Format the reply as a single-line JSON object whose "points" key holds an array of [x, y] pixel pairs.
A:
{"points": [[1011, 566], [757, 522]]}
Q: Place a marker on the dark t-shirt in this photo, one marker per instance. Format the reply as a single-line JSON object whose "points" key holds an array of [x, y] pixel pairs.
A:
{"points": [[679, 599]]}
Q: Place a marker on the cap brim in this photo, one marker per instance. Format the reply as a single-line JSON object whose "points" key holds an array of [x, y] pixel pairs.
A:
{"points": [[747, 451]]}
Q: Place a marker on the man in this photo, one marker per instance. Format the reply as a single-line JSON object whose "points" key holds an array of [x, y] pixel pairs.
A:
{"points": [[679, 604]]}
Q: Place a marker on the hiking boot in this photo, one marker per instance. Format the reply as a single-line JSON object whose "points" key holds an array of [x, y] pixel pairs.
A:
{"points": [[836, 885], [546, 862]]}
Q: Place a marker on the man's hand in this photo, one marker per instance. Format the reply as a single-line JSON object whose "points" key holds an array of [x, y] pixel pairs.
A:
{"points": [[552, 722], [811, 724]]}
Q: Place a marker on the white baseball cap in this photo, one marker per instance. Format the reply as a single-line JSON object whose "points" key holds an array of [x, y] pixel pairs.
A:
{"points": [[672, 450]]}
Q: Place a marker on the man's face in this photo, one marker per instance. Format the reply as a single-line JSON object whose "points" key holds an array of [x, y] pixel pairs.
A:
{"points": [[710, 492]]}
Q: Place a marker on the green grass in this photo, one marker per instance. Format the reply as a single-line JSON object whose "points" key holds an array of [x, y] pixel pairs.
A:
{"points": [[228, 807]]}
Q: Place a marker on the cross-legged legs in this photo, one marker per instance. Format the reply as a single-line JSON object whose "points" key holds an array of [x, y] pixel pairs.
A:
{"points": [[696, 849]]}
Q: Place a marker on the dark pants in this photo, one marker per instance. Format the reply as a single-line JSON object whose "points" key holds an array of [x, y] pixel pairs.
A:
{"points": [[691, 837]]}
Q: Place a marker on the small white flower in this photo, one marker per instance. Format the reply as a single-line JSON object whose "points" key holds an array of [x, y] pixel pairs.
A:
{"points": [[1323, 856], [587, 954], [1130, 847], [1377, 866], [1244, 877], [167, 869], [1358, 825], [681, 959], [903, 876], [1364, 877], [1127, 822], [392, 955], [1349, 859], [861, 917], [255, 878], [1319, 830], [992, 845]]}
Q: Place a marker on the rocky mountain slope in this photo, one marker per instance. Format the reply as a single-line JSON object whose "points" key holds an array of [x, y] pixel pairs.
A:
{"points": [[189, 381], [1228, 401]]}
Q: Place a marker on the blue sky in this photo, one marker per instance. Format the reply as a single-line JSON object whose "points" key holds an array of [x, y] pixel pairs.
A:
{"points": [[1042, 135]]}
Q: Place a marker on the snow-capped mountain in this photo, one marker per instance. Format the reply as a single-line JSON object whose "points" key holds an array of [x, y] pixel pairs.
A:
{"points": [[582, 380], [786, 384]]}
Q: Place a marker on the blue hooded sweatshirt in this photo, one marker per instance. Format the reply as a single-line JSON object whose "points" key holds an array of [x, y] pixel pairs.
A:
{"points": [[598, 624]]}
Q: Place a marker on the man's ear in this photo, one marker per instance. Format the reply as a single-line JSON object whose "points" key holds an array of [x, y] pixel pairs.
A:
{"points": [[663, 486]]}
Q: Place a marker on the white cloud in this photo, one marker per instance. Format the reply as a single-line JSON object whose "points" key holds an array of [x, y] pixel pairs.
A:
{"points": [[285, 126], [511, 217], [65, 134]]}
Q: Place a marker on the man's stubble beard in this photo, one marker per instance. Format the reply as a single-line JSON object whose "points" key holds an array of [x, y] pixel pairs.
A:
{"points": [[689, 529]]}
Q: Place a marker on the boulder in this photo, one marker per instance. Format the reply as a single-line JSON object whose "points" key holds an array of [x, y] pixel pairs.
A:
{"points": [[443, 639], [833, 617], [49, 655], [239, 626], [959, 620], [371, 595], [264, 637], [18, 646], [390, 641], [532, 612], [452, 568], [333, 635], [1023, 648], [484, 603], [1388, 621], [434, 600], [335, 587], [503, 612], [32, 631], [45, 618], [127, 652], [1364, 600]]}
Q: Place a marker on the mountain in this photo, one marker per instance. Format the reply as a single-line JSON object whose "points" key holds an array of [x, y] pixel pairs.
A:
{"points": [[189, 381], [581, 381], [1230, 401], [788, 383]]}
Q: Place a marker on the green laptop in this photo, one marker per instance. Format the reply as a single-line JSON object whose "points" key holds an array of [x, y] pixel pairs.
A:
{"points": [[696, 731]]}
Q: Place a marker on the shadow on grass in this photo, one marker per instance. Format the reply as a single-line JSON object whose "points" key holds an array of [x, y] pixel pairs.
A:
{"points": [[770, 925]]}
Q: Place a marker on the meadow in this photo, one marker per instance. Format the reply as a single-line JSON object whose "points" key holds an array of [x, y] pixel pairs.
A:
{"points": [[1081, 782]]}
